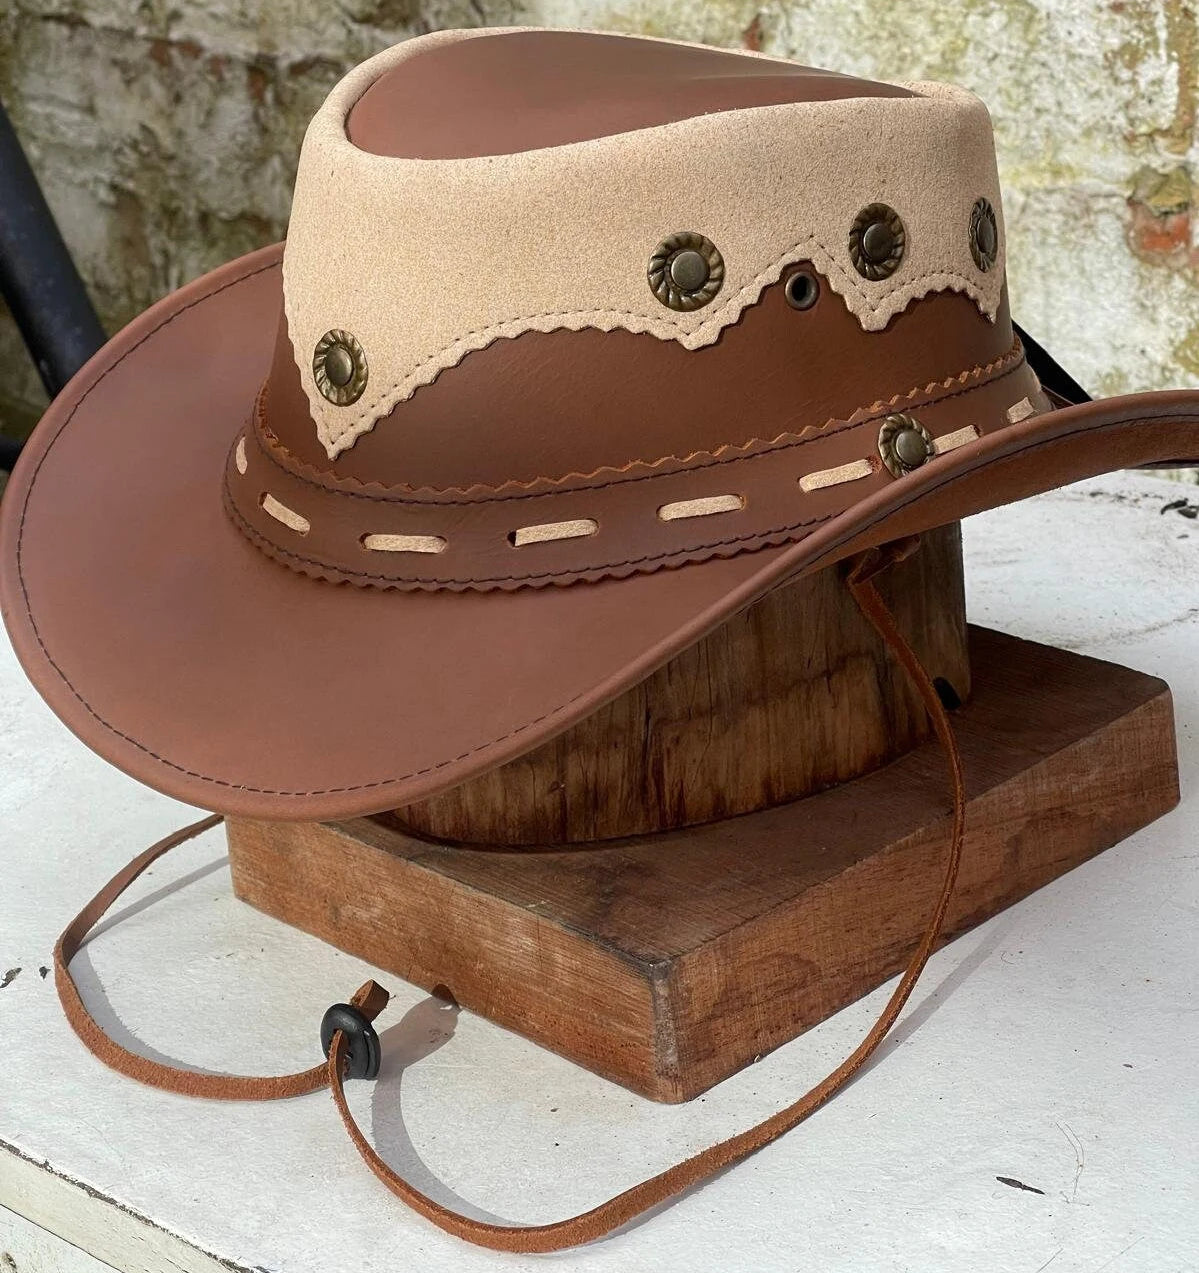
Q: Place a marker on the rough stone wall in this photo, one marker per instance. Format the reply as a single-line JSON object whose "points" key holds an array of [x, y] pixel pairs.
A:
{"points": [[165, 133]]}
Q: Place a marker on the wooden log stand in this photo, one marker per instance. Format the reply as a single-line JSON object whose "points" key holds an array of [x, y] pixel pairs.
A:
{"points": [[744, 843]]}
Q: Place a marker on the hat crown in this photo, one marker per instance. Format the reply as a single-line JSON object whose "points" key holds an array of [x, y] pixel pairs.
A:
{"points": [[444, 202], [564, 307], [515, 91]]}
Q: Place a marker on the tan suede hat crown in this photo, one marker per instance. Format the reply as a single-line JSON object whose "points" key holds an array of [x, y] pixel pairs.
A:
{"points": [[467, 247], [578, 344]]}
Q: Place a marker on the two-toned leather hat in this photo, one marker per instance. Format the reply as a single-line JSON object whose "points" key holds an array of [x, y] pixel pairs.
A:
{"points": [[577, 344]]}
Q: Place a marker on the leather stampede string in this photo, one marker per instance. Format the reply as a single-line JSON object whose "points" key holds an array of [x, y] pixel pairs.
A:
{"points": [[352, 1032]]}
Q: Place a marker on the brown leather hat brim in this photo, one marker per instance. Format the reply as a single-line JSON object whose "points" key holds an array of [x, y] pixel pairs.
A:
{"points": [[182, 654]]}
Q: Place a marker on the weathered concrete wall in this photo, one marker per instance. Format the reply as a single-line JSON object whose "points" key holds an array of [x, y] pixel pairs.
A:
{"points": [[165, 133]]}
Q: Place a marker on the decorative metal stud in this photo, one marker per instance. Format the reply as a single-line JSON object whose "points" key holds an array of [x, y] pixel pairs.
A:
{"points": [[339, 367], [904, 444], [984, 234], [876, 241], [685, 271]]}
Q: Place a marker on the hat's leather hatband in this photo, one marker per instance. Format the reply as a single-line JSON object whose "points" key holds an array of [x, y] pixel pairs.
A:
{"points": [[642, 517]]}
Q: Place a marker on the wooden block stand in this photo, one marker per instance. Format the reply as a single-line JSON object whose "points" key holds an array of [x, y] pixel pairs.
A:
{"points": [[666, 961]]}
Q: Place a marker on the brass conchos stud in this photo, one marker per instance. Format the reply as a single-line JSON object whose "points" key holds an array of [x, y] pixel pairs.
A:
{"points": [[876, 241], [904, 443], [984, 234], [685, 271], [339, 367]]}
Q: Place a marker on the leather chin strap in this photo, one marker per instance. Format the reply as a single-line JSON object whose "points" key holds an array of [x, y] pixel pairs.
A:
{"points": [[370, 1000]]}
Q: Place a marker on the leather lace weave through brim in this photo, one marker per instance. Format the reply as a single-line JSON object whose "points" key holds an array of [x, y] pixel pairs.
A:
{"points": [[370, 1000], [611, 522]]}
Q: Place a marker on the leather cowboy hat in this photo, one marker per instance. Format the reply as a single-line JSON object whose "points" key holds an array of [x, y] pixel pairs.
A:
{"points": [[578, 344]]}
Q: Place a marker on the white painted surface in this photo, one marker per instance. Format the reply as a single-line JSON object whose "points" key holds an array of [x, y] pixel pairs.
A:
{"points": [[1055, 1045], [26, 1248]]}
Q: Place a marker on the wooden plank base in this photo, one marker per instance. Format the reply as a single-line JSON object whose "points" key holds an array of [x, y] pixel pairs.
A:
{"points": [[668, 962]]}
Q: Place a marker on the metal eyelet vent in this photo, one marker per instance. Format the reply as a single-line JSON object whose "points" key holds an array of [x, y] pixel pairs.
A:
{"points": [[801, 290]]}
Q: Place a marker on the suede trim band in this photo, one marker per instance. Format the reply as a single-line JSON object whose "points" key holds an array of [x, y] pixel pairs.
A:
{"points": [[371, 999]]}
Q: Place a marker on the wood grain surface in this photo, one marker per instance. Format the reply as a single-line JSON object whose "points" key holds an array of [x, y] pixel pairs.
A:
{"points": [[792, 695], [666, 962]]}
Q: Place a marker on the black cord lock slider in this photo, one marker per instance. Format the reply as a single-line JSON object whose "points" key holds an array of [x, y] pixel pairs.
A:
{"points": [[362, 1059]]}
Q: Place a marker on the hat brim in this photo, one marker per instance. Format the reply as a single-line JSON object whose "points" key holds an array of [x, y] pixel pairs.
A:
{"points": [[183, 655]]}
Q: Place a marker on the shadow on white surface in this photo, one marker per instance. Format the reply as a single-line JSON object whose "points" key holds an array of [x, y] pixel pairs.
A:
{"points": [[91, 988], [158, 895], [425, 1028], [940, 993], [92, 991], [421, 1031]]}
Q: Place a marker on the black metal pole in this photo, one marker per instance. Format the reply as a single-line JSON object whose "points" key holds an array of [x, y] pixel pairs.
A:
{"points": [[38, 279]]}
